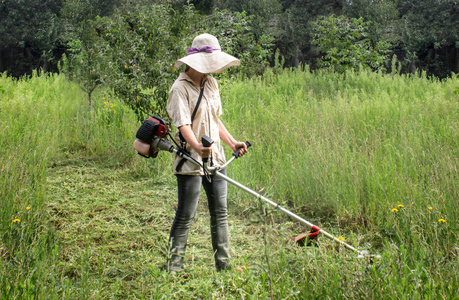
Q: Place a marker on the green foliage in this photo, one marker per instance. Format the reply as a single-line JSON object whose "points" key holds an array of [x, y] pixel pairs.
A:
{"points": [[345, 44], [429, 23], [87, 60], [429, 34], [294, 28], [29, 33], [382, 17], [128, 53], [76, 12], [202, 6], [133, 53], [238, 37], [141, 48], [35, 34], [265, 14]]}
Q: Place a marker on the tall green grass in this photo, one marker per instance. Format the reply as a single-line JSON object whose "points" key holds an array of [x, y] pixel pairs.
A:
{"points": [[30, 113], [358, 144], [45, 122], [361, 154], [369, 156]]}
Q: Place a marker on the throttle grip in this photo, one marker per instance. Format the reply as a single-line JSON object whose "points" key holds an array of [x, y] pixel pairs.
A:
{"points": [[236, 154], [206, 142]]}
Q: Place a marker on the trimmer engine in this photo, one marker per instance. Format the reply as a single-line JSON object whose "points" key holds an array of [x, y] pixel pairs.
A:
{"points": [[151, 129]]}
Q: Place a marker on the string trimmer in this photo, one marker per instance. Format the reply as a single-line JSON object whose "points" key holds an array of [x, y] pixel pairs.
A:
{"points": [[152, 138]]}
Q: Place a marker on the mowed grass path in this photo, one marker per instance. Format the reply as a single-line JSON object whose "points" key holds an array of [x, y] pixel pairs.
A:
{"points": [[113, 230]]}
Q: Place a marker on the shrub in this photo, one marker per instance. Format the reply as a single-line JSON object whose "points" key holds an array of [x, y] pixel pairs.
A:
{"points": [[344, 44]]}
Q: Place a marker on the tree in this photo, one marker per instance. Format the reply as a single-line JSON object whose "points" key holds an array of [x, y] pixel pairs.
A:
{"points": [[75, 13], [142, 45], [202, 6], [133, 53], [294, 39], [29, 33], [345, 45], [237, 37], [87, 59], [430, 35], [382, 16], [263, 16]]}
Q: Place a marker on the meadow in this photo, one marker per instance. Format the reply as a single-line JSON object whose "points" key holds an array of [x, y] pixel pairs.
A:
{"points": [[370, 157]]}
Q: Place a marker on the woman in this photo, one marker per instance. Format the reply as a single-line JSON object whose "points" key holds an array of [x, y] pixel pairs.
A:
{"points": [[194, 107]]}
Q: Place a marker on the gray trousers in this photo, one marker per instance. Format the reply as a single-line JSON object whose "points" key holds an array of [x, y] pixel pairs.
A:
{"points": [[189, 188]]}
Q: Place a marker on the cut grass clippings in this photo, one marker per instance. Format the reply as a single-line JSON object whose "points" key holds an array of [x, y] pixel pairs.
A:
{"points": [[113, 230]]}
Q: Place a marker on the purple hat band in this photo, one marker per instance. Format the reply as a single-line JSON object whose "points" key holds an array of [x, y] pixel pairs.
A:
{"points": [[207, 49]]}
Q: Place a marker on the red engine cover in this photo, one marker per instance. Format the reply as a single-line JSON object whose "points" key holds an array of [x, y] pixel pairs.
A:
{"points": [[163, 129]]}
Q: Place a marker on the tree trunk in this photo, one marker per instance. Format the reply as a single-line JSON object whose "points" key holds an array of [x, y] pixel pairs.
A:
{"points": [[90, 96], [412, 67], [296, 61], [453, 54]]}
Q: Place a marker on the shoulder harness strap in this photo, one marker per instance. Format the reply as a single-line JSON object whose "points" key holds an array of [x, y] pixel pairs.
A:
{"points": [[182, 139]]}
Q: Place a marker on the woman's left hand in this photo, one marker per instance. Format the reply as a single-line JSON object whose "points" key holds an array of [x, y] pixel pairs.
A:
{"points": [[242, 146]]}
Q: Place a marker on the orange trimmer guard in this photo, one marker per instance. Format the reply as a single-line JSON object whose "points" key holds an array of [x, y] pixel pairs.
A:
{"points": [[311, 235]]}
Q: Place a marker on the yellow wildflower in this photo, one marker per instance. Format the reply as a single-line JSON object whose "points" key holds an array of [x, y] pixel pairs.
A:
{"points": [[125, 66], [341, 238], [16, 221], [401, 206], [28, 207], [430, 207], [441, 220], [394, 210]]}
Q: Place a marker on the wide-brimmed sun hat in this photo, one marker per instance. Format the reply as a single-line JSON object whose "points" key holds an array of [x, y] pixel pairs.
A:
{"points": [[206, 56]]}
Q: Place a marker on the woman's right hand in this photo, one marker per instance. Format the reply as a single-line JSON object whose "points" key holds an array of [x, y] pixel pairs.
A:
{"points": [[204, 152], [188, 135]]}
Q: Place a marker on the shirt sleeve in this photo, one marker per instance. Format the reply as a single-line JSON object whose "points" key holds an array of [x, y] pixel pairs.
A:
{"points": [[178, 108]]}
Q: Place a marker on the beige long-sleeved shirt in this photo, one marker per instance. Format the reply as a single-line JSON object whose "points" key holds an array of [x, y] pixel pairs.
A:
{"points": [[183, 98]]}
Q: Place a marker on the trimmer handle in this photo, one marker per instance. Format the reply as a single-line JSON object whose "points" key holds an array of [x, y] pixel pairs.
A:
{"points": [[206, 142], [236, 154]]}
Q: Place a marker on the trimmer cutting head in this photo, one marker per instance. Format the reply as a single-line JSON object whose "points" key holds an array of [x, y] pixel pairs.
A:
{"points": [[308, 236], [312, 236]]}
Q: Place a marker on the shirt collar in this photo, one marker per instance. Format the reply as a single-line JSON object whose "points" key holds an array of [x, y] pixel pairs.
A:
{"points": [[184, 76]]}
